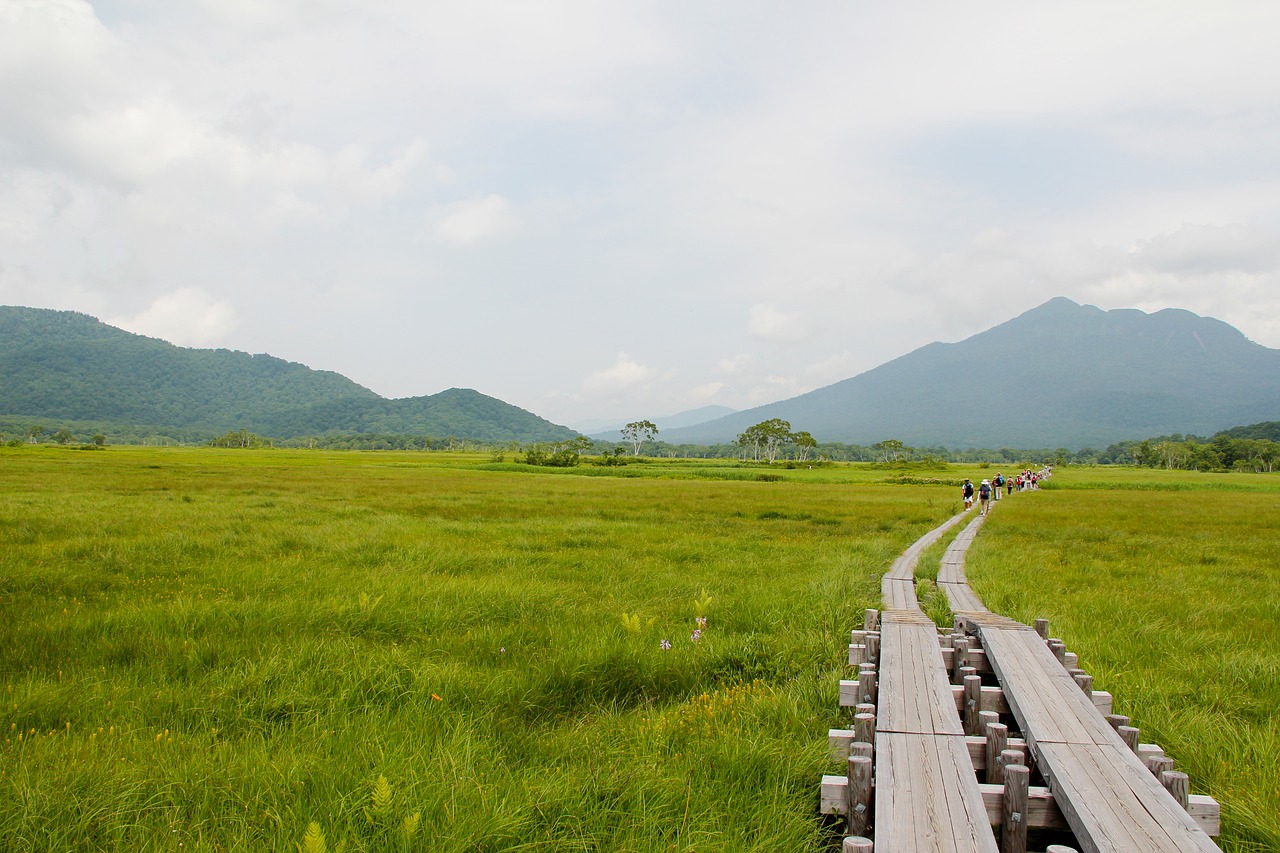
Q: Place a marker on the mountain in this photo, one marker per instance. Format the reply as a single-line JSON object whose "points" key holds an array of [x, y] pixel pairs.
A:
{"points": [[1060, 375], [62, 365], [611, 430]]}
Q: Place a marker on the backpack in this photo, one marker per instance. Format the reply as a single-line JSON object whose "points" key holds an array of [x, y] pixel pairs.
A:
{"points": [[984, 491]]}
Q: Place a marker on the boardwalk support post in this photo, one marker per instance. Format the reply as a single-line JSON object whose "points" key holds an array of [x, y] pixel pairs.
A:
{"points": [[997, 741], [1177, 784], [972, 703], [860, 773], [1013, 810], [857, 844]]}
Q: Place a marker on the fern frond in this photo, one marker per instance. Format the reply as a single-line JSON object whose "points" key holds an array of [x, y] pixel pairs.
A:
{"points": [[313, 840]]}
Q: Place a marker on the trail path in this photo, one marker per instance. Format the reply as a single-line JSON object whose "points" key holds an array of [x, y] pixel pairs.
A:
{"points": [[926, 793]]}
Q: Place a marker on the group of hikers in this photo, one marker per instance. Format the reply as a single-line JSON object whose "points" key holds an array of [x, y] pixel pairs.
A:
{"points": [[989, 490]]}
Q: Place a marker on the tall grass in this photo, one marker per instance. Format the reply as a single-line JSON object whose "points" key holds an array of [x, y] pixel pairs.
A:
{"points": [[1165, 583], [215, 650]]}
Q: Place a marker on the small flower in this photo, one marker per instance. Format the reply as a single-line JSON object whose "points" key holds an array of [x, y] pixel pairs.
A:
{"points": [[502, 651], [702, 622], [696, 635], [665, 645]]}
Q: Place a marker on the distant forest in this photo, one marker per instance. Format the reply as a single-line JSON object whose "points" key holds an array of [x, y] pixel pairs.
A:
{"points": [[1255, 447]]}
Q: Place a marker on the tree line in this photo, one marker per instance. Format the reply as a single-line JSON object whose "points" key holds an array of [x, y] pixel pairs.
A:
{"points": [[1255, 447]]}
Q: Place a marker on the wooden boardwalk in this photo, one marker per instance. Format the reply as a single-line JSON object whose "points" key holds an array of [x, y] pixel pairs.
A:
{"points": [[927, 796], [931, 735]]}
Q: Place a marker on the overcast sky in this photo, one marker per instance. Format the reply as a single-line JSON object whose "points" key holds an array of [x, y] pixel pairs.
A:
{"points": [[627, 209]]}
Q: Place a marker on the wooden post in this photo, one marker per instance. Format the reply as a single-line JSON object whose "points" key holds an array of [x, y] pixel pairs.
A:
{"points": [[865, 750], [864, 708], [1059, 650], [1129, 734], [859, 810], [972, 703], [1158, 764], [1042, 628], [1085, 683], [868, 687], [872, 643], [1177, 784], [864, 728], [1117, 720], [997, 740], [1059, 848], [870, 619], [960, 659], [985, 720], [858, 844], [1013, 809]]}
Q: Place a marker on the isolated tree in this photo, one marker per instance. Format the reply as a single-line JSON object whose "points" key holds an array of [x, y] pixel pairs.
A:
{"points": [[63, 436], [766, 438], [890, 449], [638, 432], [99, 439], [805, 443]]}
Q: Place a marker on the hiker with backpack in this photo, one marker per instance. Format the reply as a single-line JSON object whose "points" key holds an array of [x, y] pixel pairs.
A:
{"points": [[967, 491], [984, 497]]}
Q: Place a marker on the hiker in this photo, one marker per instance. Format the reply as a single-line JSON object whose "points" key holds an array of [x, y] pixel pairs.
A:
{"points": [[967, 491], [984, 497], [997, 485]]}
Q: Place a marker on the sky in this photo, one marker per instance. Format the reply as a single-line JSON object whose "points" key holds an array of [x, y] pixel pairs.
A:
{"points": [[607, 211]]}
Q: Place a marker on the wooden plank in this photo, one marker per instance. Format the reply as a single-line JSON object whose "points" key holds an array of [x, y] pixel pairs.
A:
{"points": [[1042, 813], [927, 798], [899, 594], [905, 565], [1045, 699], [961, 599], [1112, 803], [915, 696]]}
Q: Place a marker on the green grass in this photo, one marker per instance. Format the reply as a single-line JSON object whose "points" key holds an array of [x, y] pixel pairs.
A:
{"points": [[243, 650], [1165, 584], [215, 650]]}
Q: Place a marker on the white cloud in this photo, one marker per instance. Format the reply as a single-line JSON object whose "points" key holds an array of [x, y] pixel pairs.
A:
{"points": [[474, 220], [187, 317], [773, 324], [734, 364], [706, 392], [623, 374]]}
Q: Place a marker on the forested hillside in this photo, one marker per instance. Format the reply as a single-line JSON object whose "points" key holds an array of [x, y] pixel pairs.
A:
{"points": [[66, 366]]}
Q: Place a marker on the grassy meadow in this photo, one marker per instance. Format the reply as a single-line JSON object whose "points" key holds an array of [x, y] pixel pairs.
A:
{"points": [[296, 650], [282, 650], [1167, 585]]}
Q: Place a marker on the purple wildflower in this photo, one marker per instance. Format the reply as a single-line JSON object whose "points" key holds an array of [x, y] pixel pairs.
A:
{"points": [[665, 645], [702, 622], [696, 635]]}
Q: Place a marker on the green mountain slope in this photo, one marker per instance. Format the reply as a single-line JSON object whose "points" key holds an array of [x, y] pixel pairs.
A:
{"points": [[69, 366], [1061, 374]]}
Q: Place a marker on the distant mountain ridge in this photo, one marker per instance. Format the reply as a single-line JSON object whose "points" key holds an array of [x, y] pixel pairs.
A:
{"points": [[1061, 374], [67, 365], [612, 430]]}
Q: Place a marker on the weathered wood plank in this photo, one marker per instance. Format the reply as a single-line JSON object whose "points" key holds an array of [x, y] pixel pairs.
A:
{"points": [[1042, 809], [915, 695], [927, 798], [1045, 699], [1113, 803]]}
